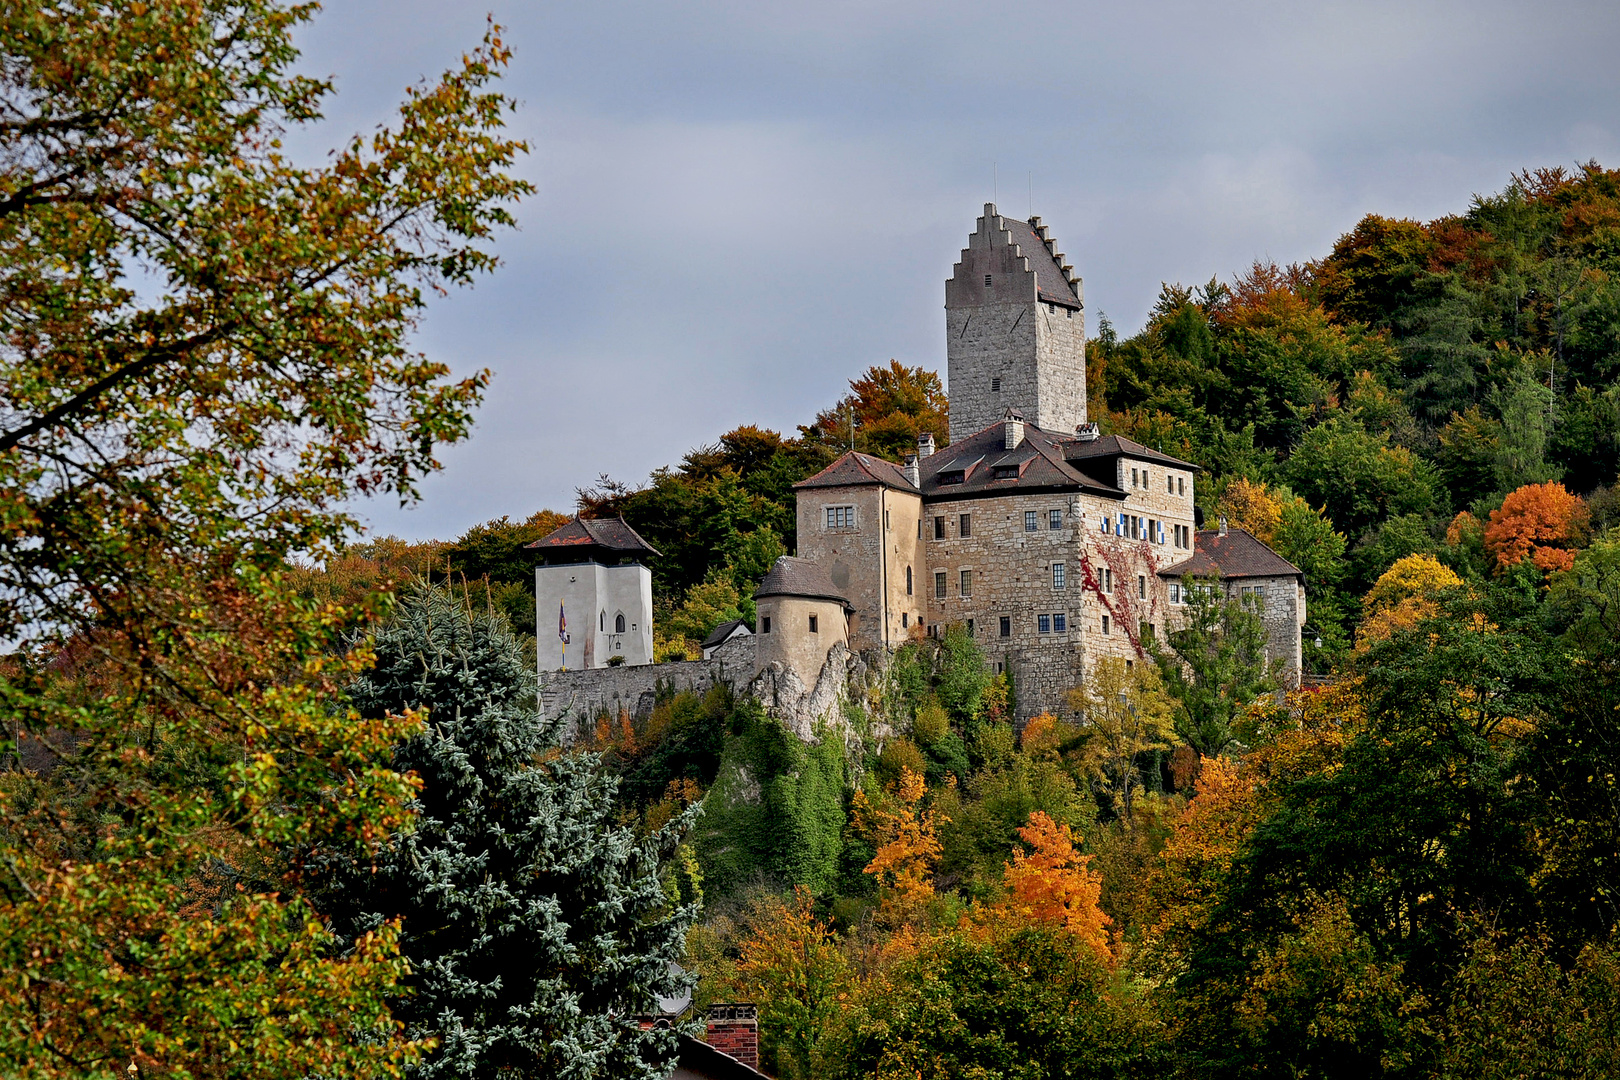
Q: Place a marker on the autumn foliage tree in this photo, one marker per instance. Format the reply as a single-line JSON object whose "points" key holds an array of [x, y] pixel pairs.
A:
{"points": [[1053, 885], [793, 966], [907, 845], [885, 410], [1541, 522], [165, 448]]}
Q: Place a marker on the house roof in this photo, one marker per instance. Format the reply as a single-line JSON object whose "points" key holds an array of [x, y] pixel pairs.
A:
{"points": [[724, 631], [800, 577], [1234, 554], [858, 470], [698, 1058], [986, 465], [1050, 281], [613, 534], [1109, 446]]}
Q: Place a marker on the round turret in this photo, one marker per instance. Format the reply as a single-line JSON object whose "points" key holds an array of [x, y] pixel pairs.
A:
{"points": [[801, 615]]}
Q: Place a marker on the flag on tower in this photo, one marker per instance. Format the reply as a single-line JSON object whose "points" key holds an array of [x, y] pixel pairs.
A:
{"points": [[562, 623]]}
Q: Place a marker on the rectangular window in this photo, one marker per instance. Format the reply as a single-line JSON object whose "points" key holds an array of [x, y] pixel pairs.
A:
{"points": [[1181, 486], [1108, 526], [987, 281], [1146, 631], [1151, 527], [995, 385], [1133, 478], [905, 619], [1169, 484], [965, 583], [813, 628], [887, 524], [1032, 521], [765, 625], [840, 517], [964, 527], [1058, 575], [1060, 623], [1006, 626], [939, 528], [970, 627], [1105, 624], [1141, 587], [1175, 592], [1108, 580], [1054, 519], [919, 528], [939, 584], [1043, 624]]}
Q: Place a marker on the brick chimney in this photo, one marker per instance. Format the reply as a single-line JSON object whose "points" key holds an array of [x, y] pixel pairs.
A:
{"points": [[925, 444], [734, 1030]]}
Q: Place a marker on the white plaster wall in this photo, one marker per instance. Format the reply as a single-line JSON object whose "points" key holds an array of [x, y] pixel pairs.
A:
{"points": [[587, 591]]}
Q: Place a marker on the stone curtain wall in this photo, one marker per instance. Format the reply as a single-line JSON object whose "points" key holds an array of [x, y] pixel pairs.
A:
{"points": [[585, 695]]}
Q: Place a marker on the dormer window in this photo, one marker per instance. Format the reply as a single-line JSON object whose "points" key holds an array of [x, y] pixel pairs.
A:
{"points": [[1004, 472], [952, 476]]}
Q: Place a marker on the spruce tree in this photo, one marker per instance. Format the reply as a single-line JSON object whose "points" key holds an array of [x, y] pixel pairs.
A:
{"points": [[536, 929]]}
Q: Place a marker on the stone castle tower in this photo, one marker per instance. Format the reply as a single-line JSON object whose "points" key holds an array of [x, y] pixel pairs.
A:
{"points": [[1015, 330]]}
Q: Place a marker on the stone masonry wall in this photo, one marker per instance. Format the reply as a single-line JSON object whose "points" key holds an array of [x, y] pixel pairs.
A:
{"points": [[1012, 577], [868, 561], [584, 695]]}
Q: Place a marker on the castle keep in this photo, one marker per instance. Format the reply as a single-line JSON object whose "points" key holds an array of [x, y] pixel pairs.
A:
{"points": [[1053, 546]]}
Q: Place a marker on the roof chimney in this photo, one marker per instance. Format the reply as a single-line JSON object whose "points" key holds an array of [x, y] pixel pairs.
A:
{"points": [[1013, 429], [913, 475], [925, 444], [1086, 432], [734, 1030], [1220, 525]]}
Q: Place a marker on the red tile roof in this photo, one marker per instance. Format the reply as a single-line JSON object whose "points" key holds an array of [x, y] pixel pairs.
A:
{"points": [[1235, 554]]}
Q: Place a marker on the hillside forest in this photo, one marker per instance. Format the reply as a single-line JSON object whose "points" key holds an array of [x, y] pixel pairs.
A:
{"points": [[276, 801], [1411, 868]]}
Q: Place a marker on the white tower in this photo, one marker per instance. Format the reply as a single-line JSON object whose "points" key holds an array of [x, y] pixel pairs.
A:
{"points": [[593, 596], [1015, 330]]}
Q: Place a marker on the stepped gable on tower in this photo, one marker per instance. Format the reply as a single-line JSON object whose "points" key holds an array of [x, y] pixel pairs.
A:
{"points": [[1015, 329]]}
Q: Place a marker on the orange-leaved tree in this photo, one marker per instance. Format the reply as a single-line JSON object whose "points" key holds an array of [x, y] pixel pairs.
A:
{"points": [[1542, 522], [908, 847], [1053, 884]]}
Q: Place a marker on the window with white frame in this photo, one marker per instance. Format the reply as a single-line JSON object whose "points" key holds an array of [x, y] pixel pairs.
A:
{"points": [[965, 583], [1058, 575], [1043, 624], [1060, 623], [840, 517], [939, 584], [1175, 592], [1032, 521], [1054, 519]]}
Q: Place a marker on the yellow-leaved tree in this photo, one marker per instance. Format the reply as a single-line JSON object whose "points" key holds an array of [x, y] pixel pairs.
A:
{"points": [[1403, 597], [908, 848]]}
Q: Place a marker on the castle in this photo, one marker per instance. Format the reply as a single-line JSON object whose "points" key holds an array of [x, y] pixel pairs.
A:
{"points": [[1052, 545]]}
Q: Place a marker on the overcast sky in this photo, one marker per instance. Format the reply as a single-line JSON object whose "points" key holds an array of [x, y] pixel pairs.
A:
{"points": [[741, 206]]}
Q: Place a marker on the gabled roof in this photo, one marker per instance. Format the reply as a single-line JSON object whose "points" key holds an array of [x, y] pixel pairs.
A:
{"points": [[985, 465], [790, 576], [1230, 555], [724, 631], [1119, 446], [613, 534], [858, 470]]}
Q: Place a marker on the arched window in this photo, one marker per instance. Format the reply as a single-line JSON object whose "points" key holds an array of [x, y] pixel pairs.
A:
{"points": [[618, 623], [602, 621], [908, 581]]}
